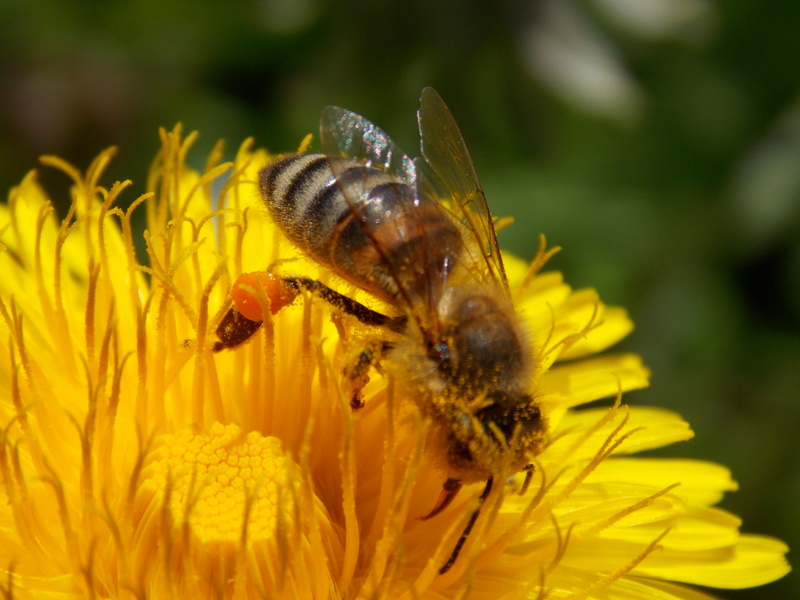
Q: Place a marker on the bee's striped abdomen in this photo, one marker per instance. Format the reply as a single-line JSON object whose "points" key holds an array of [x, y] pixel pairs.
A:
{"points": [[367, 225], [291, 187]]}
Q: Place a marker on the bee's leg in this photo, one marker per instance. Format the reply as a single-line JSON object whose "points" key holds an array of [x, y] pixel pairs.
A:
{"points": [[245, 316], [449, 491], [234, 329], [374, 353], [347, 305], [528, 476], [358, 374], [470, 524]]}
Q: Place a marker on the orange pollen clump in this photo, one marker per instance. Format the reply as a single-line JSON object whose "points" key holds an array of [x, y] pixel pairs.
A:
{"points": [[252, 291]]}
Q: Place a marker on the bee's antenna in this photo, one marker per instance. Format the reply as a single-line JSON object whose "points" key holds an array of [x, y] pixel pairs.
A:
{"points": [[470, 524]]}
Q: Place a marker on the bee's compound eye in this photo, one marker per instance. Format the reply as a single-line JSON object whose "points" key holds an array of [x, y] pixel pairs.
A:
{"points": [[440, 353]]}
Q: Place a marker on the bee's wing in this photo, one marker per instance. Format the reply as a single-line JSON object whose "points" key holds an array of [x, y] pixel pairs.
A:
{"points": [[446, 171], [345, 134]]}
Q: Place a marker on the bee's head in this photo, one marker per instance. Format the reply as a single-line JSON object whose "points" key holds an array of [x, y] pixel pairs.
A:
{"points": [[501, 436]]}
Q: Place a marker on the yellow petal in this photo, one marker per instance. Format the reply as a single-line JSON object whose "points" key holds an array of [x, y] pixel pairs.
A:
{"points": [[615, 324], [754, 560], [592, 379], [702, 483], [644, 429]]}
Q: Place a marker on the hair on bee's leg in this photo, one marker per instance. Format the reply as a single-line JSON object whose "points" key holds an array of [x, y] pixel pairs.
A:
{"points": [[470, 524], [358, 374], [234, 329], [347, 305], [450, 488]]}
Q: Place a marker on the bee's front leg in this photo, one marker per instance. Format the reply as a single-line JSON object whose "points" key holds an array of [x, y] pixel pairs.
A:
{"points": [[450, 488]]}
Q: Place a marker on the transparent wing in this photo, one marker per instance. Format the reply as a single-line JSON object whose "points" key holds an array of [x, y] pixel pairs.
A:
{"points": [[346, 134], [446, 171], [414, 240]]}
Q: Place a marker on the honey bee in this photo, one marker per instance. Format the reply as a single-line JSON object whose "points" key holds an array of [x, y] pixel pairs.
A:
{"points": [[418, 234]]}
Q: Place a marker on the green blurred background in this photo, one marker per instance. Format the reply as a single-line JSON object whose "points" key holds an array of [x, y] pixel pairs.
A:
{"points": [[657, 141]]}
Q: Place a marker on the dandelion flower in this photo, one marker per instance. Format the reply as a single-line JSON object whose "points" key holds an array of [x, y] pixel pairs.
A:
{"points": [[138, 463]]}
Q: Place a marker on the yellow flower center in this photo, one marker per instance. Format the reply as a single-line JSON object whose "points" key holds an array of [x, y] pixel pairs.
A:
{"points": [[224, 483], [224, 508]]}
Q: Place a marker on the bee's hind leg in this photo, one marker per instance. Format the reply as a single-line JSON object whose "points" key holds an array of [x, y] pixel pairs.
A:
{"points": [[347, 305], [234, 329], [358, 373]]}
